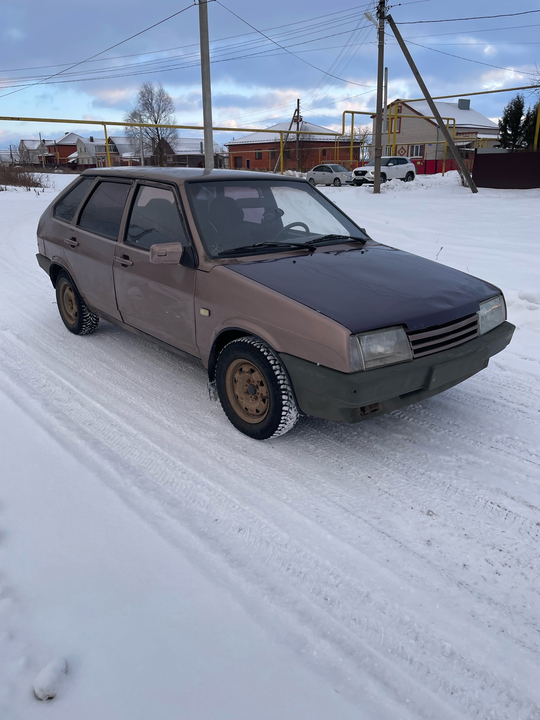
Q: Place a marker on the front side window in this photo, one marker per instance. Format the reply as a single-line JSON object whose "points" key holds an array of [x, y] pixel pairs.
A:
{"points": [[384, 162], [154, 219], [102, 214], [244, 213], [67, 207]]}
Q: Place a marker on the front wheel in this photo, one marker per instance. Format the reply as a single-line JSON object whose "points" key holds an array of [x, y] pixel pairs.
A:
{"points": [[337, 182], [76, 316], [383, 177], [409, 177], [254, 390]]}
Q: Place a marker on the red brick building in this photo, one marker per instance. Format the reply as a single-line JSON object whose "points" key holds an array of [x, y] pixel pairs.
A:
{"points": [[260, 150]]}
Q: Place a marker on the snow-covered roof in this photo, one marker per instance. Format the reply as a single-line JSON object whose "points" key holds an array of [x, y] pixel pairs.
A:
{"points": [[464, 118], [73, 156], [272, 134], [191, 146], [31, 144], [125, 144], [69, 138], [9, 156], [90, 145]]}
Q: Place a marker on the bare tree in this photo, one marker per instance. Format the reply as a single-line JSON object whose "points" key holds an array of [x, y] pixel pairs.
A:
{"points": [[363, 138], [154, 105]]}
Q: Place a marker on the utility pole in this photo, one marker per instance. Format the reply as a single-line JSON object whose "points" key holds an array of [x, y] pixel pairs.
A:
{"points": [[206, 86], [297, 135], [142, 146], [381, 12], [444, 130], [385, 128]]}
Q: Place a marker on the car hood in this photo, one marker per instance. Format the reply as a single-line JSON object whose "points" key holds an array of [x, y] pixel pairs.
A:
{"points": [[372, 287]]}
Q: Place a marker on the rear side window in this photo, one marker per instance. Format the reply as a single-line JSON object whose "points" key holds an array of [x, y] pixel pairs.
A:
{"points": [[155, 219], [102, 214], [67, 207]]}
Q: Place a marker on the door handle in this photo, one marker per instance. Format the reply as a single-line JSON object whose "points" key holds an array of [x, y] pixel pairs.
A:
{"points": [[72, 242], [125, 261]]}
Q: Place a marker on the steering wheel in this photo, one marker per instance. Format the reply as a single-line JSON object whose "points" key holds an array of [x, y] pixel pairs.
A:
{"points": [[291, 225]]}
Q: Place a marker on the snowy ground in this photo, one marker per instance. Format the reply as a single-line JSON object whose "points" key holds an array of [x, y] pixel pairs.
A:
{"points": [[384, 571]]}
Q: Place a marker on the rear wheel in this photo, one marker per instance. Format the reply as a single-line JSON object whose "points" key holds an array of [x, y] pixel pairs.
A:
{"points": [[337, 182], [254, 390], [311, 181], [76, 316]]}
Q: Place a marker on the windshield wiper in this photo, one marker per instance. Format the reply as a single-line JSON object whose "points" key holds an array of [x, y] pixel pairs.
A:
{"points": [[264, 245], [331, 237]]}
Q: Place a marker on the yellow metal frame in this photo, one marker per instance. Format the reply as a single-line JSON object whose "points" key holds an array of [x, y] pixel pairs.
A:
{"points": [[281, 133]]}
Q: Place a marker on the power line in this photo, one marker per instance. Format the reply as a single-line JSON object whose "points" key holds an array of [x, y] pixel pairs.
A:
{"points": [[470, 32], [81, 62], [288, 51], [229, 37], [477, 62], [187, 56], [478, 17]]}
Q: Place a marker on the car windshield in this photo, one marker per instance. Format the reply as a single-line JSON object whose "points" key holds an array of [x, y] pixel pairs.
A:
{"points": [[271, 214], [339, 168], [384, 161]]}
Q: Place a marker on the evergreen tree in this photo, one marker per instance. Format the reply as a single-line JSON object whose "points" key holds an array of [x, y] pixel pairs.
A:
{"points": [[529, 125], [511, 124]]}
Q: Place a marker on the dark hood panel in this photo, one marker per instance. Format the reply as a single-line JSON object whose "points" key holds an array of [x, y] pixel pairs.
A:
{"points": [[374, 287]]}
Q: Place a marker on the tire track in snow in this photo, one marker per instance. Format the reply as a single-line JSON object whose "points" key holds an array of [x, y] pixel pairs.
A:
{"points": [[266, 545]]}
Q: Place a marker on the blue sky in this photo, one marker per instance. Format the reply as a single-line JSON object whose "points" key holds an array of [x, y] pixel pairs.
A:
{"points": [[254, 82]]}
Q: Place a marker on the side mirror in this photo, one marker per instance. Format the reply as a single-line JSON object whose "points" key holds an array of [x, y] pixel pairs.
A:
{"points": [[166, 253], [390, 164]]}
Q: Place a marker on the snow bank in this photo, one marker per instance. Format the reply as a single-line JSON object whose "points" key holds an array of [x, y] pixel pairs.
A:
{"points": [[48, 681]]}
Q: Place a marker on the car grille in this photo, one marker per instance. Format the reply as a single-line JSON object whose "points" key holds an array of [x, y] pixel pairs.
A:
{"points": [[442, 337], [360, 172]]}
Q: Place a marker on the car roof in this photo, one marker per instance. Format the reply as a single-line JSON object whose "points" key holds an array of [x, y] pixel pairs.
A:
{"points": [[181, 175]]}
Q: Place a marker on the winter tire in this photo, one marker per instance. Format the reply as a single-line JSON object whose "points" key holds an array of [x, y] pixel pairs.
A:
{"points": [[76, 316], [337, 182], [311, 181], [254, 390], [409, 177], [383, 177]]}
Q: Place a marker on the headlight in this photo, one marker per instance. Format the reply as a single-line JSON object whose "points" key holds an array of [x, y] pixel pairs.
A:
{"points": [[492, 313], [379, 348]]}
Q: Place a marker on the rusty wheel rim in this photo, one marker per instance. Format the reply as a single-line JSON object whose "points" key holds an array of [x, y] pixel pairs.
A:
{"points": [[247, 391], [69, 304]]}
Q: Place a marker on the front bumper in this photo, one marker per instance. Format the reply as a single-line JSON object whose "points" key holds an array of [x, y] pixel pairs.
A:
{"points": [[352, 397]]}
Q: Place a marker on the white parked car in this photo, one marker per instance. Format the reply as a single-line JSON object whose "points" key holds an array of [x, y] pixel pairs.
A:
{"points": [[331, 174], [401, 168]]}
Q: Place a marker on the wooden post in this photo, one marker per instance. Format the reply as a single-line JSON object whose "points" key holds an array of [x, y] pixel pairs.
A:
{"points": [[453, 149]]}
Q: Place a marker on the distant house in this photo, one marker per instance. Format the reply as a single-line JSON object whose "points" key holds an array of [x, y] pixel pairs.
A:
{"points": [[187, 152], [9, 157], [57, 152], [260, 151], [420, 138], [30, 150]]}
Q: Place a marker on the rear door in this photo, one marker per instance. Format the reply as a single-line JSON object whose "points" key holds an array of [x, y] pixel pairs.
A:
{"points": [[90, 244], [157, 299]]}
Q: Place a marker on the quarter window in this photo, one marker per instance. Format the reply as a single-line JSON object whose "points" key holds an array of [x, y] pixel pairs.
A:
{"points": [[102, 214], [67, 207], [155, 219]]}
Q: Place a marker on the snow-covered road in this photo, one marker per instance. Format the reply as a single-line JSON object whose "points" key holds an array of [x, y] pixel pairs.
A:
{"points": [[391, 567]]}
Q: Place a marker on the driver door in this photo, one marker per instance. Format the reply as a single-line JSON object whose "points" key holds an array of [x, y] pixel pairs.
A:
{"points": [[157, 299]]}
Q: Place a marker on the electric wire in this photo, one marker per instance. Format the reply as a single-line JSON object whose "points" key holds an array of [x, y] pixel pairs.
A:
{"points": [[478, 17], [477, 62], [283, 48], [81, 62]]}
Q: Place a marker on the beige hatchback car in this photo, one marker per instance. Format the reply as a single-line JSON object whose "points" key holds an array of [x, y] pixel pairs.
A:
{"points": [[291, 307]]}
